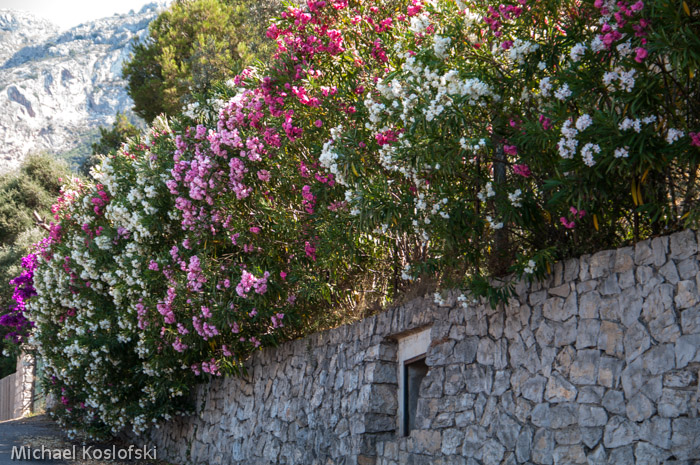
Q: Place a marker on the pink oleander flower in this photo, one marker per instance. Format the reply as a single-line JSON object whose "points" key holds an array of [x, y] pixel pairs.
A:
{"points": [[577, 213], [546, 122], [567, 224], [522, 170], [695, 138], [641, 54], [264, 175], [310, 251], [510, 149]]}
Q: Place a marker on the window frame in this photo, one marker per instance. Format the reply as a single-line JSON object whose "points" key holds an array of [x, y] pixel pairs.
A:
{"points": [[411, 348]]}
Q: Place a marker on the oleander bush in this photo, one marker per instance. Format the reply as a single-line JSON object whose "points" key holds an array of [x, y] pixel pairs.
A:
{"points": [[384, 145]]}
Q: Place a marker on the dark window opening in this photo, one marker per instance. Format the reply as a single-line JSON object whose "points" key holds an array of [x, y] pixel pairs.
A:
{"points": [[413, 374]]}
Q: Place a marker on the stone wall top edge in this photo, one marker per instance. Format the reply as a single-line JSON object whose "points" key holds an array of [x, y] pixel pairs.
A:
{"points": [[418, 313]]}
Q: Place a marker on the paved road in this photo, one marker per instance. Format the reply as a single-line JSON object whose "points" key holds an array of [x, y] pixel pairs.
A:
{"points": [[16, 433]]}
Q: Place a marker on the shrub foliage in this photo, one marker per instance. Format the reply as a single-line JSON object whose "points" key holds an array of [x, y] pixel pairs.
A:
{"points": [[383, 143]]}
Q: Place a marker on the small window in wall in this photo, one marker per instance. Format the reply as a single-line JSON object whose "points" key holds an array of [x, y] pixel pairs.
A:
{"points": [[412, 370]]}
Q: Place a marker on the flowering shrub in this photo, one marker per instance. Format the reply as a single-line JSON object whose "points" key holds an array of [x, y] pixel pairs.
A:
{"points": [[507, 131], [392, 140]]}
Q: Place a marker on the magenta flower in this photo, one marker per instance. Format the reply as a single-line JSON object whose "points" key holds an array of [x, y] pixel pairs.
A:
{"points": [[641, 54], [695, 138], [522, 170], [510, 149]]}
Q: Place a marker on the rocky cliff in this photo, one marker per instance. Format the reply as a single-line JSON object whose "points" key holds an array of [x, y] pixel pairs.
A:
{"points": [[57, 88]]}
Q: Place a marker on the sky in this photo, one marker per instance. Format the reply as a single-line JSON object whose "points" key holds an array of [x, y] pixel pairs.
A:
{"points": [[69, 13]]}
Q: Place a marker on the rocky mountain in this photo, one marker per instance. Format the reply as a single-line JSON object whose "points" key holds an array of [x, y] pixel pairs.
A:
{"points": [[57, 88]]}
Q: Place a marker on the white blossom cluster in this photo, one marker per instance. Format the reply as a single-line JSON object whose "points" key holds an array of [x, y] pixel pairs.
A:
{"points": [[623, 78], [329, 158], [111, 261], [520, 49]]}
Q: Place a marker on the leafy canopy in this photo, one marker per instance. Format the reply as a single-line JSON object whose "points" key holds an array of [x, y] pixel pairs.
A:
{"points": [[191, 46]]}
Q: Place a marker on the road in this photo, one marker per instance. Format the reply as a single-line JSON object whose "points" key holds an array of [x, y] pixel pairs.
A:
{"points": [[33, 432]]}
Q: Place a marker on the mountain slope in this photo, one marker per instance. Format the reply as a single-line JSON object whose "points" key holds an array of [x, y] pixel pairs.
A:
{"points": [[57, 88]]}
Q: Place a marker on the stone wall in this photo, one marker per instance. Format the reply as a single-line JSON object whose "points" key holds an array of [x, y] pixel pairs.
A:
{"points": [[597, 364]]}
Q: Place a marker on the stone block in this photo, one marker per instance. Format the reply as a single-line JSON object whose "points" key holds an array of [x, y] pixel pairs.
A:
{"points": [[441, 353], [425, 442], [584, 369], [620, 432], [492, 353], [610, 338], [591, 436], [680, 379], [687, 350], [569, 454], [544, 335], [561, 291], [598, 456], [589, 304], [586, 286], [659, 359], [523, 446], [609, 286], [588, 332], [492, 452], [589, 415], [614, 402], [552, 309], [674, 403], [563, 415], [685, 441], [565, 333], [474, 438], [646, 454], [656, 431], [507, 431], [626, 280], [670, 272], [686, 294], [601, 263], [541, 415], [642, 253], [683, 245], [690, 320], [560, 390], [658, 301], [630, 305], [432, 386], [664, 328], [451, 441], [639, 408], [688, 268], [533, 388], [622, 456], [624, 260], [609, 370], [659, 249], [478, 378], [501, 382], [563, 361], [543, 447], [636, 341], [590, 394]]}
